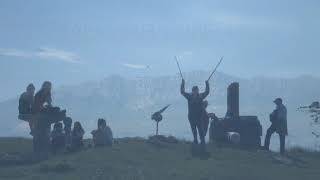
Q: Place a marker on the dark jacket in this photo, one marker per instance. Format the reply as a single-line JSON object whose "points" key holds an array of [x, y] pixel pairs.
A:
{"points": [[278, 119], [77, 138], [102, 137], [195, 103], [25, 103]]}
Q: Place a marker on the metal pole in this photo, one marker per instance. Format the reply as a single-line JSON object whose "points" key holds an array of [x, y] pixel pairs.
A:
{"points": [[215, 69], [178, 66], [157, 128]]}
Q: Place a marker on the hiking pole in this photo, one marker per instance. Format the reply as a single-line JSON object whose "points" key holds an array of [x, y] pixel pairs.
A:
{"points": [[215, 69], [178, 66]]}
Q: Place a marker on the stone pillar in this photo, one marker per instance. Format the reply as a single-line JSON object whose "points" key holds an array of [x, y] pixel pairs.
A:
{"points": [[233, 100]]}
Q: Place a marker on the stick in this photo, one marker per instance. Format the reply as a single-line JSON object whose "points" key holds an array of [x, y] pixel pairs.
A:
{"points": [[178, 66], [215, 69]]}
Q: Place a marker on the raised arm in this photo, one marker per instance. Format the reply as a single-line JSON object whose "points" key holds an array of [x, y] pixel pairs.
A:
{"points": [[207, 91], [183, 90]]}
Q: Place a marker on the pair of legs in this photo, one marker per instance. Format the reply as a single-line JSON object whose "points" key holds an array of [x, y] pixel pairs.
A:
{"points": [[282, 137], [41, 145], [197, 126], [205, 127]]}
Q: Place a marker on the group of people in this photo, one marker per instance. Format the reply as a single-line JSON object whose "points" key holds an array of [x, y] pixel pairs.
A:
{"points": [[199, 118], [37, 110], [64, 139]]}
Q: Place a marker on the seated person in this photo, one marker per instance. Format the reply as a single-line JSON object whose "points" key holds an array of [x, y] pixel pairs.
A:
{"points": [[26, 100], [25, 105], [77, 137], [103, 135], [42, 98], [67, 129], [217, 130], [58, 138]]}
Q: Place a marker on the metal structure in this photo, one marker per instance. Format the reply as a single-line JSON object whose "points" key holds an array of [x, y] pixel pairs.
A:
{"points": [[248, 127], [157, 117]]}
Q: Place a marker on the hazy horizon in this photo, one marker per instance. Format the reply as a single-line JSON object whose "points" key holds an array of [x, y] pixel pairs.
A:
{"points": [[16, 92], [70, 42]]}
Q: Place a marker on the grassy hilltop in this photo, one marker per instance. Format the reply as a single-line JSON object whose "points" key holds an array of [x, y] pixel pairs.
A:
{"points": [[135, 159]]}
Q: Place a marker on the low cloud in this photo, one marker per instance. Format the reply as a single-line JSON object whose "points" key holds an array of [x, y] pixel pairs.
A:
{"points": [[135, 66], [43, 53]]}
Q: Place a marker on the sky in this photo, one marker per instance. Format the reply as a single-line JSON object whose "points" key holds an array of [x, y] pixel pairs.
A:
{"points": [[69, 42]]}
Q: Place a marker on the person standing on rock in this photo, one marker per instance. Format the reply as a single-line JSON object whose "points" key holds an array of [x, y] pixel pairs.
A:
{"points": [[278, 120], [195, 110]]}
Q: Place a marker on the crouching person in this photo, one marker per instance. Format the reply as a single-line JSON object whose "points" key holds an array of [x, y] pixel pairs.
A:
{"points": [[103, 135], [77, 137]]}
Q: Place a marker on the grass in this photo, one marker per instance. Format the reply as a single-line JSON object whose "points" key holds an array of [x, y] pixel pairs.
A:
{"points": [[134, 159]]}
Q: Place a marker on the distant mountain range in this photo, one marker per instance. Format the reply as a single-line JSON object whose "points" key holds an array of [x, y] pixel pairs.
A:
{"points": [[127, 104]]}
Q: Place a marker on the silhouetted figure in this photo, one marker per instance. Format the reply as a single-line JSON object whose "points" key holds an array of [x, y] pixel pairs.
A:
{"points": [[58, 138], [44, 115], [77, 137], [26, 100], [216, 130], [42, 98], [195, 108], [103, 135], [25, 105], [278, 119], [41, 131], [205, 118], [67, 129]]}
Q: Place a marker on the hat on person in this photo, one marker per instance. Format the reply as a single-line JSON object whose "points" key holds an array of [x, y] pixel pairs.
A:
{"points": [[278, 100]]}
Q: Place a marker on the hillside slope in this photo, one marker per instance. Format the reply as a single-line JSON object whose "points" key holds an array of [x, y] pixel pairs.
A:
{"points": [[134, 159]]}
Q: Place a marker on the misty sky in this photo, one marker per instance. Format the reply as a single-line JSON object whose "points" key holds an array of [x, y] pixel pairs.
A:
{"points": [[73, 41]]}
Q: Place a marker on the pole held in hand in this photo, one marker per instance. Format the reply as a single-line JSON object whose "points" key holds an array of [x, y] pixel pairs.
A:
{"points": [[215, 69], [175, 57]]}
